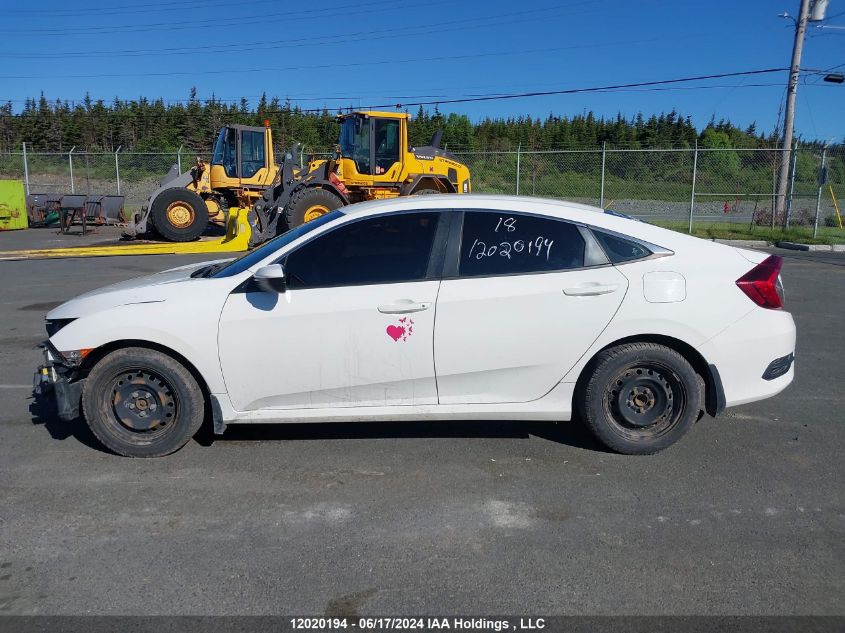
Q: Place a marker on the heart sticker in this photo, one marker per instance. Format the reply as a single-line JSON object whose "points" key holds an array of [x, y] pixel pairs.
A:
{"points": [[402, 331], [395, 332]]}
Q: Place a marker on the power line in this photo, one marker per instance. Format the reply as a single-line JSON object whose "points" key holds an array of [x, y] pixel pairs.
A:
{"points": [[545, 93], [523, 95], [311, 14], [835, 15], [350, 98], [435, 27], [333, 66], [132, 8]]}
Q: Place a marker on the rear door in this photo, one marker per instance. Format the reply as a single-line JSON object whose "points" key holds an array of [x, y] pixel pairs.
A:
{"points": [[525, 299]]}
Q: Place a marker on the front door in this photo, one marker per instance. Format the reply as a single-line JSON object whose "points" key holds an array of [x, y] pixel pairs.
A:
{"points": [[355, 326], [523, 307]]}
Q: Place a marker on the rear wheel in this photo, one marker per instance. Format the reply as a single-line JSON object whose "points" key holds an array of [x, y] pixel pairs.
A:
{"points": [[142, 403], [309, 204], [640, 398], [425, 192], [179, 215]]}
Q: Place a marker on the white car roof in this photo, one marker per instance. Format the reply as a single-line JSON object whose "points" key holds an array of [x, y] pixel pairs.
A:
{"points": [[573, 211], [469, 201]]}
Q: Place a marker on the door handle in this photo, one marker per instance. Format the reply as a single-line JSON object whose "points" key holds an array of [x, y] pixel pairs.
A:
{"points": [[404, 306], [590, 290]]}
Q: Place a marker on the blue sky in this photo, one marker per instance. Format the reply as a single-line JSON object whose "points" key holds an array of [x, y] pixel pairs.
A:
{"points": [[370, 52]]}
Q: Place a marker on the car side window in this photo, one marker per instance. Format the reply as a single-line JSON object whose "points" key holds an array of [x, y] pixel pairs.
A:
{"points": [[502, 243], [620, 250], [383, 249]]}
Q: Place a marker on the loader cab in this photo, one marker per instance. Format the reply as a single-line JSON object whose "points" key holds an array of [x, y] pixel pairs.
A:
{"points": [[243, 156], [373, 145]]}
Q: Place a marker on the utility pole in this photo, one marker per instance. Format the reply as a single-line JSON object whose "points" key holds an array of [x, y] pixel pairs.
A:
{"points": [[810, 11], [789, 116]]}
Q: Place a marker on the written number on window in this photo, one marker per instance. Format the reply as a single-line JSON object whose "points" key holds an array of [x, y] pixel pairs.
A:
{"points": [[538, 246]]}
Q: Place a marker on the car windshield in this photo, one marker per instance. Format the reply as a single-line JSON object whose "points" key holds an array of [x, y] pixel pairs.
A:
{"points": [[236, 266]]}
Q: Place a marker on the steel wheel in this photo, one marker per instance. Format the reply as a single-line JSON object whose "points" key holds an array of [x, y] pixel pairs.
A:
{"points": [[143, 401], [315, 211], [645, 400], [180, 215]]}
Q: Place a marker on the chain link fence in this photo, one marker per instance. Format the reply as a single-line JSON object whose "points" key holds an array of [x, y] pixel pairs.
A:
{"points": [[672, 185], [691, 186]]}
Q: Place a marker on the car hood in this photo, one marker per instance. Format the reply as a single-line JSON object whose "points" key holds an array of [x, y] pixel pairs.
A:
{"points": [[147, 289]]}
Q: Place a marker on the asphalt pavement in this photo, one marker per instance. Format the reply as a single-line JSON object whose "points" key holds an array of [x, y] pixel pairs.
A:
{"points": [[744, 516]]}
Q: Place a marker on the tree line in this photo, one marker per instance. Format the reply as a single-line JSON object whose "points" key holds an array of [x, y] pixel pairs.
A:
{"points": [[155, 125]]}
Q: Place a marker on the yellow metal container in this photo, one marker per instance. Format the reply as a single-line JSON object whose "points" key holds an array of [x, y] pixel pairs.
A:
{"points": [[12, 206]]}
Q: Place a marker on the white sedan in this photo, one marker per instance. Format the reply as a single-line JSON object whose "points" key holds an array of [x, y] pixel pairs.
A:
{"points": [[431, 308]]}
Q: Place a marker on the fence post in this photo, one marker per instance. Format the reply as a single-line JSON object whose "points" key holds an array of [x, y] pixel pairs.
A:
{"points": [[179, 159], [25, 169], [694, 174], [518, 153], [603, 157], [87, 174], [774, 190], [70, 160], [791, 184], [822, 179], [117, 168]]}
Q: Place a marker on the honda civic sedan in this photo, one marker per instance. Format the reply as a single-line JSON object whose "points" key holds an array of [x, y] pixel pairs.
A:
{"points": [[431, 308]]}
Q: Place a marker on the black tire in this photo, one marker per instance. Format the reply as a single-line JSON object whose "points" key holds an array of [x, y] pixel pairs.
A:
{"points": [[112, 403], [425, 192], [640, 398], [303, 202], [191, 206]]}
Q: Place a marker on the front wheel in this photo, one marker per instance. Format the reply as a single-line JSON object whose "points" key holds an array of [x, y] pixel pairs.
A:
{"points": [[640, 398], [142, 403], [179, 215]]}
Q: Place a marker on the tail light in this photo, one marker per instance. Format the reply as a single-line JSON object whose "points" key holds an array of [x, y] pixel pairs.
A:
{"points": [[762, 283]]}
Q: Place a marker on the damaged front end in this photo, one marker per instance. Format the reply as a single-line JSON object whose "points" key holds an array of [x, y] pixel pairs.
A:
{"points": [[61, 376]]}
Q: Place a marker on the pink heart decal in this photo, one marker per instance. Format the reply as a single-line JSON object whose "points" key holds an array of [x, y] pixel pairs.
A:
{"points": [[395, 332]]}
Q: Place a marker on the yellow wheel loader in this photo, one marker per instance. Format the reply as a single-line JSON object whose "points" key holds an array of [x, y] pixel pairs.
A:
{"points": [[372, 160], [242, 167]]}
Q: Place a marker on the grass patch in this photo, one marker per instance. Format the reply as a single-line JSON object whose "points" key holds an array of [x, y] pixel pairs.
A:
{"points": [[730, 231]]}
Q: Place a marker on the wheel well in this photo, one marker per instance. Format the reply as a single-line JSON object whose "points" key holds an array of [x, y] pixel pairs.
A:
{"points": [[690, 354], [98, 354], [326, 186], [442, 184]]}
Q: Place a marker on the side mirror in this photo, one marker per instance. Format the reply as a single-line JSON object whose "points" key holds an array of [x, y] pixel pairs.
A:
{"points": [[271, 278]]}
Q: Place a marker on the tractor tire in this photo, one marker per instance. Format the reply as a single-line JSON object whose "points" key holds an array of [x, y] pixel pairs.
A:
{"points": [[426, 192], [179, 215], [309, 204]]}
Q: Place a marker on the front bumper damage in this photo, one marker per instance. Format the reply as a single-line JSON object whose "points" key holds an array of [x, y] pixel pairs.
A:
{"points": [[61, 381]]}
